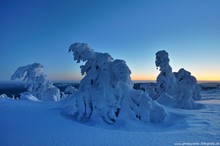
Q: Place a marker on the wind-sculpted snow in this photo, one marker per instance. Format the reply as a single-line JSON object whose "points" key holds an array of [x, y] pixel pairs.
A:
{"points": [[37, 83], [106, 91]]}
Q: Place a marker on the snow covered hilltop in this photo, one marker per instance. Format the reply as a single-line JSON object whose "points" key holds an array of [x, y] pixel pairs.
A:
{"points": [[106, 92], [108, 108]]}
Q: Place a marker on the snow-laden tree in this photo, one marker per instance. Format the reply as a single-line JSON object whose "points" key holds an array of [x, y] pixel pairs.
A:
{"points": [[106, 90], [185, 88], [166, 81], [37, 83], [70, 90], [180, 88]]}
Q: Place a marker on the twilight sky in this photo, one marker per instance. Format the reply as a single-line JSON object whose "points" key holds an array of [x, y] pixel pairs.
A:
{"points": [[133, 30]]}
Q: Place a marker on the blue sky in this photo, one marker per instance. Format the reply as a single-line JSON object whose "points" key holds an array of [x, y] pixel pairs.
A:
{"points": [[42, 30]]}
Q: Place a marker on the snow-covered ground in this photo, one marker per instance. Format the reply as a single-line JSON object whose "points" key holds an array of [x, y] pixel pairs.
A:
{"points": [[29, 123]]}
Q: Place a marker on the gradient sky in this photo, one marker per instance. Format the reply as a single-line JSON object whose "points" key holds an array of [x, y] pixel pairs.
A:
{"points": [[132, 30]]}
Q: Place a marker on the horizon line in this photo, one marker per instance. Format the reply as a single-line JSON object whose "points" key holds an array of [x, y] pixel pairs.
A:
{"points": [[78, 81]]}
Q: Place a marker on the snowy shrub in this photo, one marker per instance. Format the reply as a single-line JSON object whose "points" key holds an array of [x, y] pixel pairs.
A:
{"points": [[136, 105], [106, 89], [28, 96], [166, 81], [4, 96], [195, 88], [70, 90], [37, 83]]}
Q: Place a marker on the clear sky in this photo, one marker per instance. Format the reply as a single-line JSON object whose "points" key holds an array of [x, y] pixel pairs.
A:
{"points": [[133, 30]]}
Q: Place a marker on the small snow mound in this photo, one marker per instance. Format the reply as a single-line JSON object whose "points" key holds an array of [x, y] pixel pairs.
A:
{"points": [[28, 96], [157, 113]]}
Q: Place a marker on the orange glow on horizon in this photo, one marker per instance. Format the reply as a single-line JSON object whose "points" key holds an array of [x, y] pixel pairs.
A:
{"points": [[215, 79], [135, 77], [154, 77], [143, 78]]}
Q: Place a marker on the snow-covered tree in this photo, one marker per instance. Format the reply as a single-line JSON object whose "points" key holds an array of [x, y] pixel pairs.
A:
{"points": [[165, 80], [106, 90], [70, 90], [37, 83], [185, 88], [178, 88]]}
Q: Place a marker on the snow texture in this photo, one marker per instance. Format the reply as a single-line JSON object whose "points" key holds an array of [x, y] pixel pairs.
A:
{"points": [[27, 123], [37, 83], [107, 90]]}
